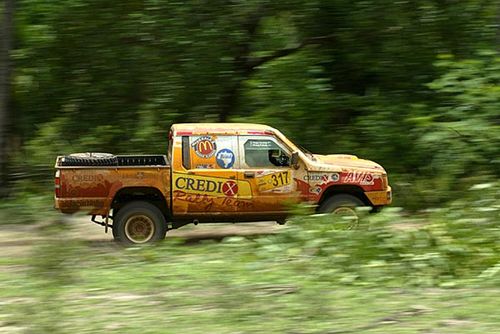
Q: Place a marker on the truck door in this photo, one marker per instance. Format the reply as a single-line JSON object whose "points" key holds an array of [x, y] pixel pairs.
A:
{"points": [[265, 164], [206, 182]]}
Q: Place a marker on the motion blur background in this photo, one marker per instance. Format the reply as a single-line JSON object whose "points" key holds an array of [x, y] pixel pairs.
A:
{"points": [[413, 85]]}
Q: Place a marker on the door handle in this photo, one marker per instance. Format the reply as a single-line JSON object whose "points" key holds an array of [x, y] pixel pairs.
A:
{"points": [[249, 175]]}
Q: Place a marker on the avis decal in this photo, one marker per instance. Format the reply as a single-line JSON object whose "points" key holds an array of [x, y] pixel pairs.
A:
{"points": [[361, 178], [225, 158], [204, 147]]}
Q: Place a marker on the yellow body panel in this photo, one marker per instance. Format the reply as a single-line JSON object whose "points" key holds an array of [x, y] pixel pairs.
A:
{"points": [[217, 180], [378, 198]]}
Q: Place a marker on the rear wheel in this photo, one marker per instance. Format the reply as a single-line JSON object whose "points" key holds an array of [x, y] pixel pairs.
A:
{"points": [[343, 207], [139, 223]]}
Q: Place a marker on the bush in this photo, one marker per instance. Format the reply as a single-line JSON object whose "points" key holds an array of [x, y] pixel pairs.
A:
{"points": [[441, 247]]}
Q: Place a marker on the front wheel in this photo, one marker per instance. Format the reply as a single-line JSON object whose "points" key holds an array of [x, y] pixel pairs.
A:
{"points": [[139, 223], [344, 208]]}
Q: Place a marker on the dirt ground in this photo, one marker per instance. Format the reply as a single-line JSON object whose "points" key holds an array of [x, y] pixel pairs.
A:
{"points": [[17, 239]]}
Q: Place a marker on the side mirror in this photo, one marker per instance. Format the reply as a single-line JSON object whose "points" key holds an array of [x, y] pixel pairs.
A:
{"points": [[294, 162]]}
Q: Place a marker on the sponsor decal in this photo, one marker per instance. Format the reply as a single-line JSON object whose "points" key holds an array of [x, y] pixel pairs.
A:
{"points": [[88, 178], [208, 202], [204, 166], [134, 175], [212, 186], [260, 144], [204, 199], [316, 177], [361, 178], [315, 190], [82, 203], [204, 147], [320, 178], [230, 188], [236, 203], [225, 158], [274, 180]]}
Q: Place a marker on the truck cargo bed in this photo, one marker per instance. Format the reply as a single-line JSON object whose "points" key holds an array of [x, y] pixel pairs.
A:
{"points": [[109, 160]]}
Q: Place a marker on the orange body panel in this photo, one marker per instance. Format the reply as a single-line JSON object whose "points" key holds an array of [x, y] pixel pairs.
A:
{"points": [[92, 189], [213, 174]]}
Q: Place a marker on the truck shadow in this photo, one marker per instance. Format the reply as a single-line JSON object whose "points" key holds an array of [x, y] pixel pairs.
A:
{"points": [[215, 237], [196, 235], [218, 232]]}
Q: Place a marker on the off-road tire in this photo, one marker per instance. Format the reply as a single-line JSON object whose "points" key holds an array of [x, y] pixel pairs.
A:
{"points": [[135, 216], [342, 202], [337, 201], [89, 159]]}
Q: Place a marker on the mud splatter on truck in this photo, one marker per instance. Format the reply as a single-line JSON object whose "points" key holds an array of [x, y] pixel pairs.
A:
{"points": [[213, 172]]}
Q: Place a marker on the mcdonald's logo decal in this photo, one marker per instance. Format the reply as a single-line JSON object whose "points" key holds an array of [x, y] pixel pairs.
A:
{"points": [[204, 147]]}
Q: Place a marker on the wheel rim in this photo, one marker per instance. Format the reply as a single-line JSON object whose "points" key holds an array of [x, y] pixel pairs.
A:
{"points": [[347, 217], [139, 229]]}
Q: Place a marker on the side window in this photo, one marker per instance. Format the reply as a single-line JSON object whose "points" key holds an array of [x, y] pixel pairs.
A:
{"points": [[265, 153], [170, 146], [211, 152], [186, 157]]}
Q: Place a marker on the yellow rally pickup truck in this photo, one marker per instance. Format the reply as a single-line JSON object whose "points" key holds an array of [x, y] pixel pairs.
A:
{"points": [[213, 172]]}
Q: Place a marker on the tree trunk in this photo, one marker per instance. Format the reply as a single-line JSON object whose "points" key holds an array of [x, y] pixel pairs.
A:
{"points": [[6, 32], [245, 66], [229, 102]]}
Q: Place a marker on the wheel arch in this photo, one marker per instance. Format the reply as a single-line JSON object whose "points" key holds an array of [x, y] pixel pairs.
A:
{"points": [[148, 194], [353, 190]]}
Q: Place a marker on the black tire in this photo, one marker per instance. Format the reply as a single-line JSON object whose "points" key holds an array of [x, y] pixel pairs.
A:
{"points": [[92, 155], [343, 205], [139, 223], [89, 159]]}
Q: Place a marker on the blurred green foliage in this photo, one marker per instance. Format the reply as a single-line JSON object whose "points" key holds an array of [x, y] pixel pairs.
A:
{"points": [[396, 274], [413, 85], [444, 247]]}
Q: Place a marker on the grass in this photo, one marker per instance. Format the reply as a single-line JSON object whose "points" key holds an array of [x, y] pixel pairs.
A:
{"points": [[227, 287], [441, 274]]}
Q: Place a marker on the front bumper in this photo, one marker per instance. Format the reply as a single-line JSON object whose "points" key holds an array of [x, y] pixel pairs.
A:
{"points": [[379, 198]]}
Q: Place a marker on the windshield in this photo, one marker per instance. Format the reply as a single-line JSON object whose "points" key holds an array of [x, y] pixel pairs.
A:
{"points": [[294, 146], [306, 152]]}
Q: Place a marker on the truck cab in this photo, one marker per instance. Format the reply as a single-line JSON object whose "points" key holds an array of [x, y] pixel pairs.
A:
{"points": [[253, 171], [219, 172]]}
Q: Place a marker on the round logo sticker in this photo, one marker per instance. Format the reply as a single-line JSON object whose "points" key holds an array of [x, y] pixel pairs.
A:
{"points": [[230, 188], [225, 158], [204, 147]]}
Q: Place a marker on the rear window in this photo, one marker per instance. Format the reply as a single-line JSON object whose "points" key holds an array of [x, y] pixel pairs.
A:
{"points": [[209, 152]]}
